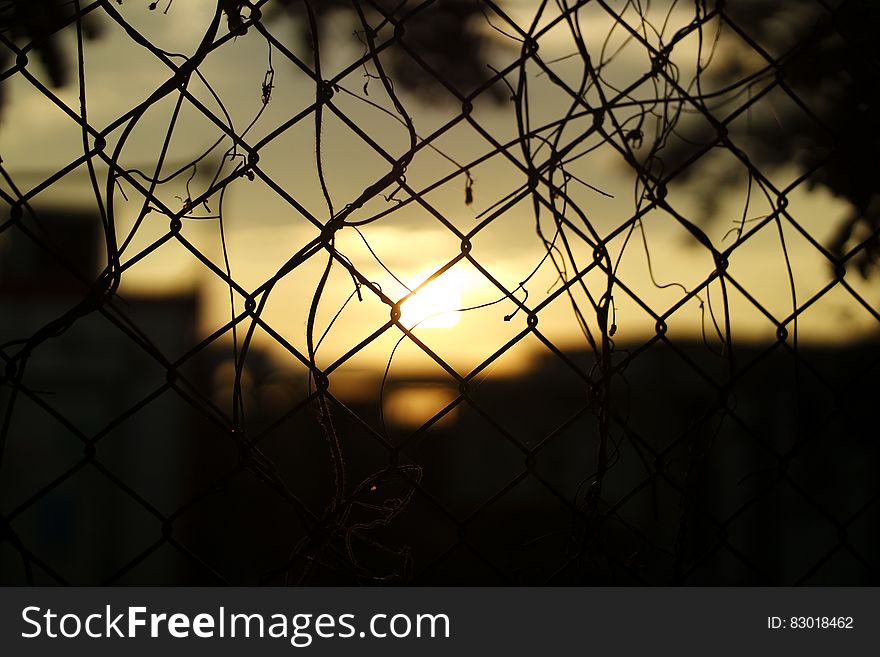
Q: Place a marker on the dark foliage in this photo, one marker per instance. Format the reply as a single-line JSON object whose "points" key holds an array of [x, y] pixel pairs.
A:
{"points": [[823, 61], [447, 35], [36, 23]]}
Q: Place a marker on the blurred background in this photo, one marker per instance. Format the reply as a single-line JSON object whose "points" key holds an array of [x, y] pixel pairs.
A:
{"points": [[442, 292]]}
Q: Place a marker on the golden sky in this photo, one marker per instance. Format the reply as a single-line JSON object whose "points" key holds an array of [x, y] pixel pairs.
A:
{"points": [[263, 231]]}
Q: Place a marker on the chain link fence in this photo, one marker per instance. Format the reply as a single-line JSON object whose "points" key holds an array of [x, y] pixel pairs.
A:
{"points": [[676, 386]]}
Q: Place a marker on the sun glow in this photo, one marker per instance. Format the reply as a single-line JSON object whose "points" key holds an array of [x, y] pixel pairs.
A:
{"points": [[435, 305]]}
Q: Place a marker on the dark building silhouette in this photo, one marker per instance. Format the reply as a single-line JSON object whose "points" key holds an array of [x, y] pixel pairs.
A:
{"points": [[60, 498]]}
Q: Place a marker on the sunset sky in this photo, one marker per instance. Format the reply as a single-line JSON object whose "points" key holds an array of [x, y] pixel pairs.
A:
{"points": [[263, 231]]}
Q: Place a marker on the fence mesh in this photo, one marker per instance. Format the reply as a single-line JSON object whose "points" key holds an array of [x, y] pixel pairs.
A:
{"points": [[676, 386]]}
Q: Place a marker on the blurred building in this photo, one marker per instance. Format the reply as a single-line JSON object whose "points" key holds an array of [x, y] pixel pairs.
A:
{"points": [[90, 381], [764, 477]]}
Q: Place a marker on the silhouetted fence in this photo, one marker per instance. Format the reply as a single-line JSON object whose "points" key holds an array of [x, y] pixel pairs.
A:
{"points": [[138, 446]]}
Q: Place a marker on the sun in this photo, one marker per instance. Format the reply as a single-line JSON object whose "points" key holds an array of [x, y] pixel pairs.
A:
{"points": [[435, 305]]}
